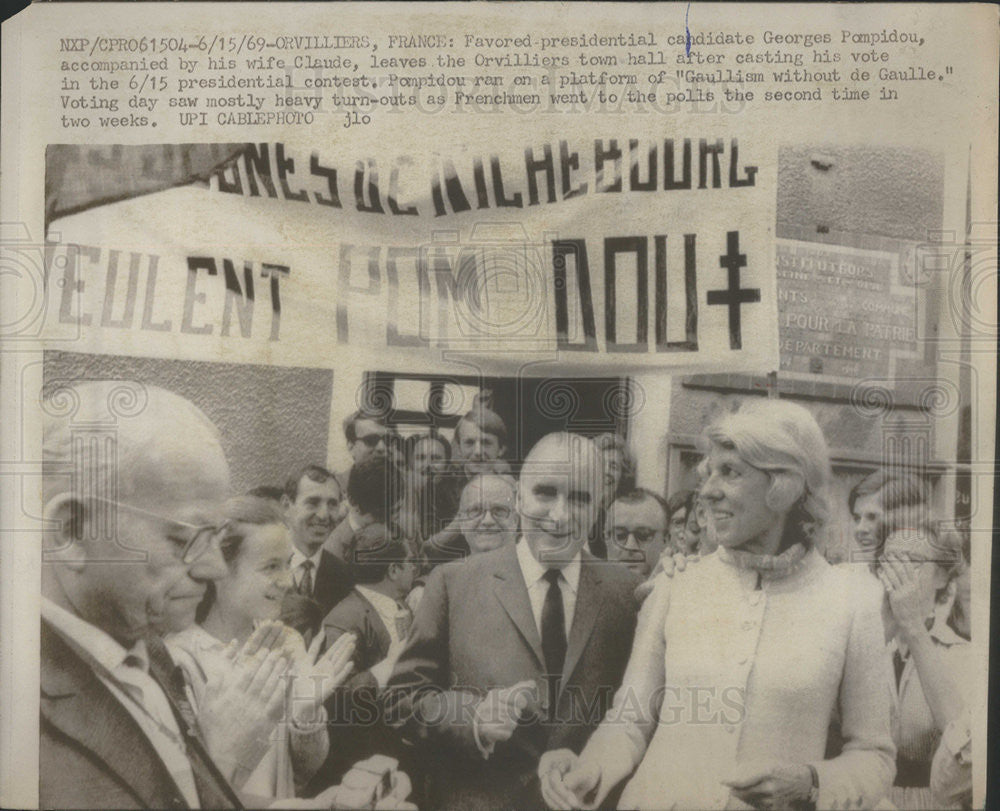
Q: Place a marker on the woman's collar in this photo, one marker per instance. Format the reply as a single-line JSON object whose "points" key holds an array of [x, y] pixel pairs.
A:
{"points": [[770, 567]]}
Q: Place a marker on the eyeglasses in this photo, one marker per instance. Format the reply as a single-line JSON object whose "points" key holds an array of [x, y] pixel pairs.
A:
{"points": [[194, 545], [499, 513], [372, 440], [642, 534]]}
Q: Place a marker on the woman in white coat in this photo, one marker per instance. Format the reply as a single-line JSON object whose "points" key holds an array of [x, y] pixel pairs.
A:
{"points": [[740, 662]]}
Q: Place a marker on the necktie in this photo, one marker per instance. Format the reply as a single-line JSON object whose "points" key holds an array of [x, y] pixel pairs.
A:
{"points": [[306, 580], [898, 664], [404, 619], [553, 635], [213, 788]]}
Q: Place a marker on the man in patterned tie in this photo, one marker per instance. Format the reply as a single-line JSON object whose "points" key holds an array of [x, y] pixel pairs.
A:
{"points": [[134, 481], [517, 648], [312, 504], [132, 543]]}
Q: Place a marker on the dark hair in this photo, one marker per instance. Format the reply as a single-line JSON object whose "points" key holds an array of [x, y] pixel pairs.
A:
{"points": [[413, 440], [252, 510], [374, 553], [487, 421], [268, 491], [611, 441], [369, 486], [314, 473], [895, 489], [641, 494], [678, 500], [350, 423]]}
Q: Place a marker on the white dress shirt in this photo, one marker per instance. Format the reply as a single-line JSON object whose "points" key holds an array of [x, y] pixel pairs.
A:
{"points": [[134, 688], [533, 573], [387, 609], [534, 578], [296, 566]]}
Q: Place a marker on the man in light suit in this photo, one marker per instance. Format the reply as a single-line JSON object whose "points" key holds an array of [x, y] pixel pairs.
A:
{"points": [[518, 649]]}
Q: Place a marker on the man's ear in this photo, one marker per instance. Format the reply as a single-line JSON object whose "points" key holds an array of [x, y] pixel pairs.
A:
{"points": [[66, 517], [286, 502]]}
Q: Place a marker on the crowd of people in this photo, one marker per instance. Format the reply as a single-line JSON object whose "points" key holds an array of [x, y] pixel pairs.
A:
{"points": [[440, 626]]}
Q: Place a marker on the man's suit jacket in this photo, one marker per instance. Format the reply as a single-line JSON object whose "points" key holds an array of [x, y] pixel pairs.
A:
{"points": [[356, 729], [332, 583], [474, 631], [355, 614], [92, 753]]}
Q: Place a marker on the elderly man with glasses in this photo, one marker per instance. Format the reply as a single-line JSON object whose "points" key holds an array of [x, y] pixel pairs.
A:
{"points": [[132, 492]]}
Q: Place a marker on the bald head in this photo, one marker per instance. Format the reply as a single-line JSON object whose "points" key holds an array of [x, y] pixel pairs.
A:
{"points": [[558, 496], [133, 473], [486, 512], [158, 439]]}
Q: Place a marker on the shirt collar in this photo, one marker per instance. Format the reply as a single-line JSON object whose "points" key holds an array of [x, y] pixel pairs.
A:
{"points": [[533, 571], [89, 640], [384, 605], [298, 559], [942, 632]]}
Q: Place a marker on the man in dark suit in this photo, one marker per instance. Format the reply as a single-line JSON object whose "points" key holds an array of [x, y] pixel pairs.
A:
{"points": [[131, 548], [376, 613], [312, 502], [519, 649]]}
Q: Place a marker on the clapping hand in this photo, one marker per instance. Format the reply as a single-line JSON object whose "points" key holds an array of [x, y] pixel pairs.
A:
{"points": [[316, 675], [568, 782], [241, 706]]}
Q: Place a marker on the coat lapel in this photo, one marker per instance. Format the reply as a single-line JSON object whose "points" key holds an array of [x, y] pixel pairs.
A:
{"points": [[584, 618], [78, 704], [373, 620], [512, 594]]}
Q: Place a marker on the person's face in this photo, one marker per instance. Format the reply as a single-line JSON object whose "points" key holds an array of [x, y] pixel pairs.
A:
{"points": [[636, 534], [734, 497], [313, 513], [487, 514], [613, 465], [260, 575], [558, 495], [869, 523], [370, 441], [403, 576], [428, 454], [134, 580], [678, 522], [476, 448], [692, 533]]}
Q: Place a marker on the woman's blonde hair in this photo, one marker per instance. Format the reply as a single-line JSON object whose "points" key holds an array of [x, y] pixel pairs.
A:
{"points": [[784, 440]]}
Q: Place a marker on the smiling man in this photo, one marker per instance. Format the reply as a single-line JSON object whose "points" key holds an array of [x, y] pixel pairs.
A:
{"points": [[520, 648], [312, 503], [636, 530], [486, 514]]}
